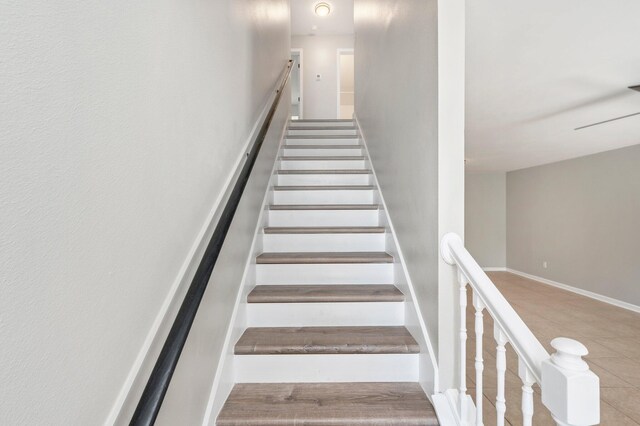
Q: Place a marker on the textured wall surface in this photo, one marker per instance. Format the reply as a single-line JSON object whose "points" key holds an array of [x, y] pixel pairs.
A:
{"points": [[397, 107], [320, 56], [409, 76], [120, 123], [485, 219], [581, 217]]}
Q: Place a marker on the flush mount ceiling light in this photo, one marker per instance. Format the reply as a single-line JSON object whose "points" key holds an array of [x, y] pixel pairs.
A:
{"points": [[322, 9]]}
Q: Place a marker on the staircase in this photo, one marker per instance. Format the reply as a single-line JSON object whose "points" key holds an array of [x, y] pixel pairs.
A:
{"points": [[325, 341]]}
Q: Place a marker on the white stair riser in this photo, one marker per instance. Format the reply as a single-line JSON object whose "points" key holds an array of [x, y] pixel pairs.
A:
{"points": [[333, 196], [324, 132], [321, 152], [292, 140], [323, 242], [325, 179], [323, 217], [326, 368], [325, 314], [322, 164], [321, 123], [350, 273]]}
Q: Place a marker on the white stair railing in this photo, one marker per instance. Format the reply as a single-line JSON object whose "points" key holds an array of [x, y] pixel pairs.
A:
{"points": [[570, 391]]}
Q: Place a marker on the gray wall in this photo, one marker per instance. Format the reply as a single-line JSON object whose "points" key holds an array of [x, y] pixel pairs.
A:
{"points": [[409, 76], [397, 107], [485, 222], [582, 216], [120, 124], [188, 395]]}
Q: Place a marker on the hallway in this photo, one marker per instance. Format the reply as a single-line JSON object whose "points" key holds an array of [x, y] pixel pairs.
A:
{"points": [[611, 334]]}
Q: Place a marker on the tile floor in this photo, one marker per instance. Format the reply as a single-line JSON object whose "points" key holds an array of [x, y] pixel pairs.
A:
{"points": [[611, 334]]}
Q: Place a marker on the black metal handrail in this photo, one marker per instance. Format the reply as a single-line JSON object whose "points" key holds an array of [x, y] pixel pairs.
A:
{"points": [[158, 383]]}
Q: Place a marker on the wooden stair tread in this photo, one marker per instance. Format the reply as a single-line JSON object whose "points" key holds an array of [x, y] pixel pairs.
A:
{"points": [[322, 187], [325, 172], [326, 340], [324, 257], [324, 230], [327, 404], [331, 293], [322, 158], [324, 207]]}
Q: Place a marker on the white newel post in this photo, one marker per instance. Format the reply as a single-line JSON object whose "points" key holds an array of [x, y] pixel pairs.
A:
{"points": [[570, 390]]}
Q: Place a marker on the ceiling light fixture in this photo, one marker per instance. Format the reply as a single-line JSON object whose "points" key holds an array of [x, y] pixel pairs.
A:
{"points": [[322, 9]]}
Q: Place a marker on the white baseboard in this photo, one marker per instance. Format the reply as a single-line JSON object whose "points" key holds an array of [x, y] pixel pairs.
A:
{"points": [[495, 269], [164, 319], [582, 292]]}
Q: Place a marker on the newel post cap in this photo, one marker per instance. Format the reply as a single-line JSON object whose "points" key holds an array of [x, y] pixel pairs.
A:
{"points": [[570, 390], [445, 246], [569, 354]]}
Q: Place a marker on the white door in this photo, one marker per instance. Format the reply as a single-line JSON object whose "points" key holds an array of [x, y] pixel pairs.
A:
{"points": [[296, 85], [346, 86]]}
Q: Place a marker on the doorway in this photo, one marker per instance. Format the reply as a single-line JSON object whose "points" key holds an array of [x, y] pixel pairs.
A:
{"points": [[346, 86], [296, 85]]}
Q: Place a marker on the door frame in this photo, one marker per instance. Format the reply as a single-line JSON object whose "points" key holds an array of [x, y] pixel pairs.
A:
{"points": [[300, 51], [341, 51]]}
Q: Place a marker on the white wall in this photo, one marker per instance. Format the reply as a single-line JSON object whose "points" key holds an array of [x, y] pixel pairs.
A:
{"points": [[120, 123], [188, 396], [413, 122], [321, 57], [581, 217], [485, 220]]}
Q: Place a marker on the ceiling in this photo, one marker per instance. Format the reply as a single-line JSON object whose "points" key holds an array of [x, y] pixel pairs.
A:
{"points": [[339, 21], [538, 69]]}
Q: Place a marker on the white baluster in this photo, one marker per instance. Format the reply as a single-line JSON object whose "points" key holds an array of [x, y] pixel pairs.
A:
{"points": [[479, 306], [462, 391], [527, 393], [501, 368]]}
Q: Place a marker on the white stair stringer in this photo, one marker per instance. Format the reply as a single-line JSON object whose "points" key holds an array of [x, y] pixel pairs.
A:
{"points": [[332, 217]]}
